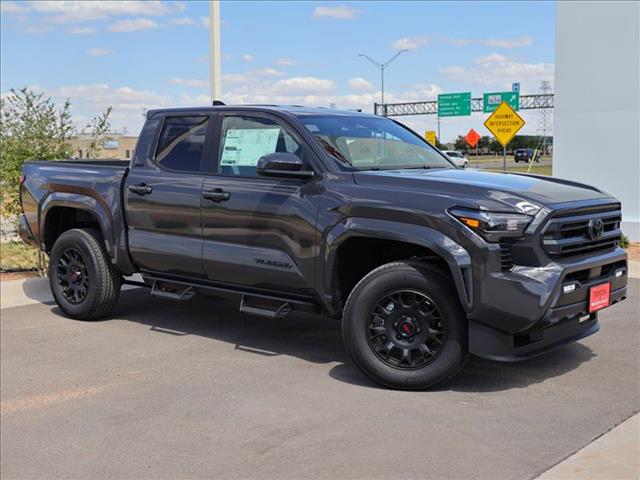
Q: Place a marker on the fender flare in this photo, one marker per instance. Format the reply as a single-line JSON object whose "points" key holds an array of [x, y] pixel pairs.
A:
{"points": [[81, 202], [456, 256]]}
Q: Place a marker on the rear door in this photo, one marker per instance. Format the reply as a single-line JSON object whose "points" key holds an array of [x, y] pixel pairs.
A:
{"points": [[258, 232], [162, 195]]}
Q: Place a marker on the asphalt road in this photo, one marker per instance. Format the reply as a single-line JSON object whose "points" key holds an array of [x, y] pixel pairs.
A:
{"points": [[197, 390]]}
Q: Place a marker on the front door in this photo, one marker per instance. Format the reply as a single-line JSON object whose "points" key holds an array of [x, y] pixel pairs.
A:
{"points": [[258, 232], [163, 194]]}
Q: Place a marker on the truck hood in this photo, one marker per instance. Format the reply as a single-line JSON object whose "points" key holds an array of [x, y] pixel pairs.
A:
{"points": [[484, 189]]}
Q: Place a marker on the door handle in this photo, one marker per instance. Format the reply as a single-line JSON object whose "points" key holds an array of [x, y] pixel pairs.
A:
{"points": [[216, 195], [140, 189]]}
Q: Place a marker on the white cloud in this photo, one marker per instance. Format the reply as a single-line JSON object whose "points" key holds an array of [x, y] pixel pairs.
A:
{"points": [[90, 100], [409, 43], [303, 86], [340, 12], [181, 21], [204, 22], [78, 10], [284, 62], [132, 25], [38, 29], [247, 57], [412, 43], [362, 84], [81, 31], [99, 52], [13, 7], [500, 71], [524, 41], [491, 58], [268, 72], [189, 82]]}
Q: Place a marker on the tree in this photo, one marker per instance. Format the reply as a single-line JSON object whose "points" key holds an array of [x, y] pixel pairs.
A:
{"points": [[98, 130], [33, 127], [460, 143]]}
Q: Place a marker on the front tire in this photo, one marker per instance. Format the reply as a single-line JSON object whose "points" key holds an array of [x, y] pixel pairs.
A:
{"points": [[404, 328], [82, 279]]}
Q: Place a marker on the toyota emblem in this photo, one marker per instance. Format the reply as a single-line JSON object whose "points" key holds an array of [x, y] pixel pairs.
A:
{"points": [[595, 228]]}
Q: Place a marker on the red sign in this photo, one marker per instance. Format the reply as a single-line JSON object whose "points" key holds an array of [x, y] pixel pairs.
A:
{"points": [[472, 138], [599, 296]]}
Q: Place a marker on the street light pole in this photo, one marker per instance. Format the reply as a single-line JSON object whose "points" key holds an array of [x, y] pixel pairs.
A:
{"points": [[382, 66], [214, 49]]}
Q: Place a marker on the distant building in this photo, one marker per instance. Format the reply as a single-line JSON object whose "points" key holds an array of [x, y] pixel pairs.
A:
{"points": [[118, 146]]}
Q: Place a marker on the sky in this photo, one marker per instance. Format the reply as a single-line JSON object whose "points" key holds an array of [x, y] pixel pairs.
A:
{"points": [[143, 54]]}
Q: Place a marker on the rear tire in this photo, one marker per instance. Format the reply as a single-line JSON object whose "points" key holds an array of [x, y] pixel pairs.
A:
{"points": [[83, 281], [404, 328]]}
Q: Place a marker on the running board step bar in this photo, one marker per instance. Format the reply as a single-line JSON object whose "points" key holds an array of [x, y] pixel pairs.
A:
{"points": [[172, 291], [264, 308]]}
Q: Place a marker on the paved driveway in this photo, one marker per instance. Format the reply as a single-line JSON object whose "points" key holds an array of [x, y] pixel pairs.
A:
{"points": [[189, 390]]}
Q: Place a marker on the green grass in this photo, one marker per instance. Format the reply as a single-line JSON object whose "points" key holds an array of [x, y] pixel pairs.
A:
{"points": [[535, 169], [497, 158], [17, 256]]}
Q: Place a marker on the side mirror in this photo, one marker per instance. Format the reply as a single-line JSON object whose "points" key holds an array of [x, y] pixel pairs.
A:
{"points": [[286, 165]]}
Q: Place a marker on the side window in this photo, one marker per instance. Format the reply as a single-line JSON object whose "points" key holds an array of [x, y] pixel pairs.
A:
{"points": [[245, 139], [181, 143]]}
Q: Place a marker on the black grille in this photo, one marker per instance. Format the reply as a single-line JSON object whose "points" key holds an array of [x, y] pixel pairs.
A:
{"points": [[506, 259], [569, 234]]}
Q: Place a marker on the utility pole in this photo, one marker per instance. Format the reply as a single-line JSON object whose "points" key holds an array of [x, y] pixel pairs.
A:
{"points": [[382, 66], [544, 120], [214, 49]]}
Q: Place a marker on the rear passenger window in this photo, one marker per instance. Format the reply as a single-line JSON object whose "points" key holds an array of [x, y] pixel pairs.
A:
{"points": [[181, 143], [246, 139]]}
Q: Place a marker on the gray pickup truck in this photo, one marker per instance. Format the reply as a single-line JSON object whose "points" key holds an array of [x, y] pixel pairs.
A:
{"points": [[344, 214]]}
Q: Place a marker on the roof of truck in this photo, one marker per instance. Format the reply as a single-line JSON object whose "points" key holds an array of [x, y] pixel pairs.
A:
{"points": [[298, 110]]}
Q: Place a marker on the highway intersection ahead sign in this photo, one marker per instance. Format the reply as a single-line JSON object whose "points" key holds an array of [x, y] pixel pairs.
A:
{"points": [[504, 123]]}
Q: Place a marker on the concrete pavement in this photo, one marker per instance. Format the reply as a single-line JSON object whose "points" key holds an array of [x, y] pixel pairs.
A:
{"points": [[165, 389]]}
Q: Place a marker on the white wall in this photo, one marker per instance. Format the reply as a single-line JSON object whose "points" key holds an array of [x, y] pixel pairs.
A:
{"points": [[597, 100]]}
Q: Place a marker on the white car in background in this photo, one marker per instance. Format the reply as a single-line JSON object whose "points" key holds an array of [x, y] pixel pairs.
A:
{"points": [[458, 159]]}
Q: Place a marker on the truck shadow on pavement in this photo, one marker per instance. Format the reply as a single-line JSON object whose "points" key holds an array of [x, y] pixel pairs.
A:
{"points": [[317, 339]]}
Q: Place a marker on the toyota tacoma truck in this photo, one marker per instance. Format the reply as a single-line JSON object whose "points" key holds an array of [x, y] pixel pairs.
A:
{"points": [[344, 214]]}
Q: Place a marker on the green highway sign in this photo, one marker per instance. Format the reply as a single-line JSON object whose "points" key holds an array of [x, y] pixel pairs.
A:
{"points": [[493, 100], [454, 104]]}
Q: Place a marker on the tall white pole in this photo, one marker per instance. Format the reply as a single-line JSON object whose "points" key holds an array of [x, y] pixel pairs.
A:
{"points": [[214, 47]]}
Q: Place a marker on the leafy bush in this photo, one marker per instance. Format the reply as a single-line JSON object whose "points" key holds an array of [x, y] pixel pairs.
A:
{"points": [[624, 241], [32, 127]]}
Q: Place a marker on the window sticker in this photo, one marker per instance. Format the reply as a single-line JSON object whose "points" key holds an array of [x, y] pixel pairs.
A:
{"points": [[245, 146]]}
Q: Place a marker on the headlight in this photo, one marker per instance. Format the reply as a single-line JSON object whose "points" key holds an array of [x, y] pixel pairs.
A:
{"points": [[493, 226]]}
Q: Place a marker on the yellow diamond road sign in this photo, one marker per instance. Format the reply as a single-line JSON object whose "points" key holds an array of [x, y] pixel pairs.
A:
{"points": [[504, 123]]}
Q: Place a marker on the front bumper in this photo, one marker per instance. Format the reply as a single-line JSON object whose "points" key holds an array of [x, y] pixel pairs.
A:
{"points": [[526, 311]]}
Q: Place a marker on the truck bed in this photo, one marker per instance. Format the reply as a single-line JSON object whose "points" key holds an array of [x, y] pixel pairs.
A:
{"points": [[90, 185]]}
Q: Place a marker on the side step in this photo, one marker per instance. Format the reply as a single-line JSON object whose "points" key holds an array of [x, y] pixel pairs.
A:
{"points": [[172, 291], [264, 307]]}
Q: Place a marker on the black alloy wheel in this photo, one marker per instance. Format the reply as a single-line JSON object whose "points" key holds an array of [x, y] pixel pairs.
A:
{"points": [[72, 276], [406, 330]]}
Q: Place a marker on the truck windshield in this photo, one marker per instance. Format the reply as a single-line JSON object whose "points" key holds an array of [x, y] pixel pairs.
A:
{"points": [[370, 143]]}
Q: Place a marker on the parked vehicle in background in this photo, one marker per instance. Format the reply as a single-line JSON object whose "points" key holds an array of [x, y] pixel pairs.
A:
{"points": [[344, 214], [457, 158], [523, 155]]}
